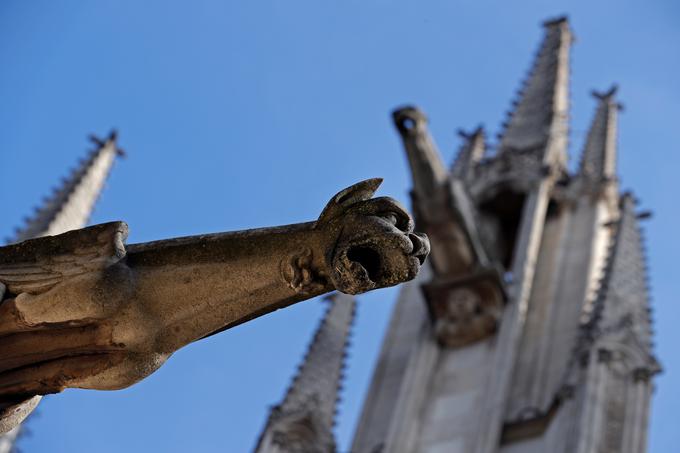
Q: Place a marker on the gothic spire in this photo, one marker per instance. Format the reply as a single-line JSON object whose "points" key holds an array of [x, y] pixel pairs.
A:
{"points": [[471, 151], [598, 160], [70, 205], [427, 169], [539, 120], [304, 420], [68, 208], [622, 308]]}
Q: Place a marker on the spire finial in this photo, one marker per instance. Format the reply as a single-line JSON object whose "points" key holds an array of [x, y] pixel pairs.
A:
{"points": [[598, 160], [563, 19], [608, 95], [605, 95]]}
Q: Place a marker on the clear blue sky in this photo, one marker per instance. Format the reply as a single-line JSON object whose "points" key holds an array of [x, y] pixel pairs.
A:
{"points": [[244, 114]]}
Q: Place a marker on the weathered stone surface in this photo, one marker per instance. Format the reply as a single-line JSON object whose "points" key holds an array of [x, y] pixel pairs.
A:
{"points": [[83, 310], [464, 310]]}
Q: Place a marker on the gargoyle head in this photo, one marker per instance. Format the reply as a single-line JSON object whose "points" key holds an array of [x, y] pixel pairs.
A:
{"points": [[374, 243]]}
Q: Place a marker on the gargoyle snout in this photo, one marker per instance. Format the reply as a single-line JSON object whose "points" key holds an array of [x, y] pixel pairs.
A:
{"points": [[421, 246], [407, 118]]}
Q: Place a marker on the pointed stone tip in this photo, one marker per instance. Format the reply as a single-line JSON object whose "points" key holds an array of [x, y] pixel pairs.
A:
{"points": [[111, 138], [556, 21], [543, 98]]}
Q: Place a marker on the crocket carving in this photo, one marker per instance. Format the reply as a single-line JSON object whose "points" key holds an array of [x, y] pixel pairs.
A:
{"points": [[83, 310]]}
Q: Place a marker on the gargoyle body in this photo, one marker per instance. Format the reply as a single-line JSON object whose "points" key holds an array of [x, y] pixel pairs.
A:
{"points": [[83, 310]]}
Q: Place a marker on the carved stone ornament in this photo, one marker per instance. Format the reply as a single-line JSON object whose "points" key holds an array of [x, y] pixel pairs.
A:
{"points": [[83, 310], [466, 310]]}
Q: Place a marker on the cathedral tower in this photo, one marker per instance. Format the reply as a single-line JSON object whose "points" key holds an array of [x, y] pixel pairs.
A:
{"points": [[530, 332]]}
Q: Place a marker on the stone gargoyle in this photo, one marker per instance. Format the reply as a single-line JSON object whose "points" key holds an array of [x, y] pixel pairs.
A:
{"points": [[83, 310]]}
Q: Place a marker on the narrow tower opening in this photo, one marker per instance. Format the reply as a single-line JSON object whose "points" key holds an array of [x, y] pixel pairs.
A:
{"points": [[501, 215]]}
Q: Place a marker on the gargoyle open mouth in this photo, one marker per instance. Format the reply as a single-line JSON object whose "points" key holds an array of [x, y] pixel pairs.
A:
{"points": [[367, 265], [368, 259], [358, 268]]}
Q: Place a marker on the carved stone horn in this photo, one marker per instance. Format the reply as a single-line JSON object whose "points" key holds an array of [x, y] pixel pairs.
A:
{"points": [[339, 203]]}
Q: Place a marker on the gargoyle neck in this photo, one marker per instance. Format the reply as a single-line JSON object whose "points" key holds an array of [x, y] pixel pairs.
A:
{"points": [[216, 246], [200, 285]]}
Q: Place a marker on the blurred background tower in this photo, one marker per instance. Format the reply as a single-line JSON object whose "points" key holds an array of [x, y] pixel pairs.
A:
{"points": [[69, 207], [531, 332], [529, 329], [303, 422]]}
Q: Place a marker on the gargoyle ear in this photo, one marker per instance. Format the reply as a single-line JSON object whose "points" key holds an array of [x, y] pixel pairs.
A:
{"points": [[360, 191]]}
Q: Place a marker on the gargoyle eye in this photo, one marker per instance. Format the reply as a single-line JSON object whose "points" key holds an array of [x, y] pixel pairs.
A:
{"points": [[398, 220], [390, 217]]}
